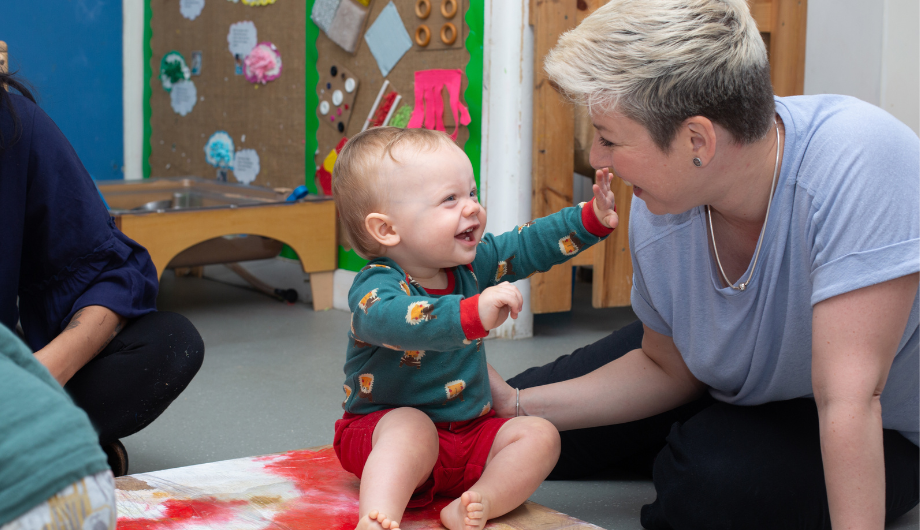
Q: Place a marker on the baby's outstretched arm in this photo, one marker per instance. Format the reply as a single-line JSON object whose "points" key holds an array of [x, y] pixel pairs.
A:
{"points": [[604, 205]]}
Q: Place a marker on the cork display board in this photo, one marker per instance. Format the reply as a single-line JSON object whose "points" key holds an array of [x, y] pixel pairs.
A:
{"points": [[363, 65], [267, 119], [401, 78]]}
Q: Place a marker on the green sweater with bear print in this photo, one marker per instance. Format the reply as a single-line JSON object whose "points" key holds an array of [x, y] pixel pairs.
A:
{"points": [[412, 347]]}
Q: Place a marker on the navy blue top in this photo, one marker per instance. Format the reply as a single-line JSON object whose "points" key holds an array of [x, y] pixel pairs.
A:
{"points": [[60, 250]]}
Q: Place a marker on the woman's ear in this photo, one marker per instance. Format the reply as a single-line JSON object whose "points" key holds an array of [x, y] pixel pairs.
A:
{"points": [[701, 139], [381, 229]]}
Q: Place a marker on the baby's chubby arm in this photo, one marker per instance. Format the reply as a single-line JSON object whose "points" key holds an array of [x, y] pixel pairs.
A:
{"points": [[388, 312], [542, 243]]}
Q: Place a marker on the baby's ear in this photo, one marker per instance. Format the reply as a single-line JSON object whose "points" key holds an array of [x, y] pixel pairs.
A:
{"points": [[380, 228]]}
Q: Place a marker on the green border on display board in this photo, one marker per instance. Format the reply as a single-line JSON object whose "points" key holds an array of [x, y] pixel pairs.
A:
{"points": [[475, 20], [473, 95], [148, 75]]}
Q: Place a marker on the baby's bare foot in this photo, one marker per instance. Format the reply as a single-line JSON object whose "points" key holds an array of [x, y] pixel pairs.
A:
{"points": [[375, 520], [469, 512]]}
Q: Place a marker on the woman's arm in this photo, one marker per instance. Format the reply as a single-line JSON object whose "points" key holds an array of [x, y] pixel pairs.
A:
{"points": [[88, 333], [642, 383], [855, 338]]}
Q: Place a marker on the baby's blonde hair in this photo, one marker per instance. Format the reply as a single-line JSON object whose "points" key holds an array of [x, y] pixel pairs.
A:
{"points": [[357, 184]]}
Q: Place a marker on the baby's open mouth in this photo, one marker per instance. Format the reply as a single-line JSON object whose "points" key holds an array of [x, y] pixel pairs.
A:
{"points": [[466, 235]]}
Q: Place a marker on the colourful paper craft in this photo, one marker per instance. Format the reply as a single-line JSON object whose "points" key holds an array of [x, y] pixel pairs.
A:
{"points": [[323, 12], [173, 69], [263, 64], [347, 24], [388, 39], [429, 105], [324, 172]]}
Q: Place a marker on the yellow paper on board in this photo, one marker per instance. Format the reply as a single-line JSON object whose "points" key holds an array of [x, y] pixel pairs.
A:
{"points": [[329, 162]]}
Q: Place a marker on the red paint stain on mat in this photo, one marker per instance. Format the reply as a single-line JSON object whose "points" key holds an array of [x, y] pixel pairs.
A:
{"points": [[179, 513], [329, 498], [329, 494]]}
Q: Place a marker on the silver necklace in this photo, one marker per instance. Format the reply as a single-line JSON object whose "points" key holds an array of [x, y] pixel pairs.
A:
{"points": [[742, 286]]}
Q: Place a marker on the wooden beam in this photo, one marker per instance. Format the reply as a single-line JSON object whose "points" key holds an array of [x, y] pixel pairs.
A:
{"points": [[787, 47], [553, 149], [612, 283], [762, 11]]}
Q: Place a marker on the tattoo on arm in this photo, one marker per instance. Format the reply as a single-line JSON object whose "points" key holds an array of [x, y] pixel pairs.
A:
{"points": [[118, 327], [75, 320]]}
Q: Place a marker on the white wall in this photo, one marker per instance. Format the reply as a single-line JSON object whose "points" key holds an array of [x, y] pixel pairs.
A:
{"points": [[868, 49], [133, 86], [900, 82]]}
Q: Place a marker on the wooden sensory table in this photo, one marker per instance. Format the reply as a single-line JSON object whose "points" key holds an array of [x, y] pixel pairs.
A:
{"points": [[192, 221], [297, 490]]}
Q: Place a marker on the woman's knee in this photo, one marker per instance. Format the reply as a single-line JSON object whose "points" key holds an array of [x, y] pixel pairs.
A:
{"points": [[731, 466]]}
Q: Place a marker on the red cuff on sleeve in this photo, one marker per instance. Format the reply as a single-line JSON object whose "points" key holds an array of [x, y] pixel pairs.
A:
{"points": [[469, 318], [591, 222]]}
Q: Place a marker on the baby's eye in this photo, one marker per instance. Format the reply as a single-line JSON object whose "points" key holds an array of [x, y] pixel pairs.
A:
{"points": [[473, 193], [450, 198], [604, 142]]}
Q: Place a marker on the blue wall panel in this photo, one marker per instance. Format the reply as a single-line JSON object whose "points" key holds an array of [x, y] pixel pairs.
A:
{"points": [[71, 52]]}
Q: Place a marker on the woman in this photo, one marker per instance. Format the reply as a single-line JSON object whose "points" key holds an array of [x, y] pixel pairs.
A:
{"points": [[83, 292], [773, 378]]}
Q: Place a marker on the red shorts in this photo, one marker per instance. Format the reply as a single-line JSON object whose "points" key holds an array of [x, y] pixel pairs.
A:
{"points": [[464, 449]]}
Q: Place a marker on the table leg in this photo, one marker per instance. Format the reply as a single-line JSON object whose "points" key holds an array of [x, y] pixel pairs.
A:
{"points": [[321, 285]]}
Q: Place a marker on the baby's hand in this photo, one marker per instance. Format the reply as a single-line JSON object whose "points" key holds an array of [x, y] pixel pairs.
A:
{"points": [[496, 303], [604, 205]]}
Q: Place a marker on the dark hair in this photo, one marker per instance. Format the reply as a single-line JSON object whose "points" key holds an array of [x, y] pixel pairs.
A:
{"points": [[7, 81]]}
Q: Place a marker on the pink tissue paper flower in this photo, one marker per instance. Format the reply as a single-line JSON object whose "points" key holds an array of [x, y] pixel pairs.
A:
{"points": [[263, 64]]}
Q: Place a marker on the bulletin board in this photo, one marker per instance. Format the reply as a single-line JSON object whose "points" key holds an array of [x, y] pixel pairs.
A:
{"points": [[465, 56], [279, 119], [268, 118]]}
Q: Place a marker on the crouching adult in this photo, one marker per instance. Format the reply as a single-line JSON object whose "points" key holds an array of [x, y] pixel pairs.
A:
{"points": [[83, 292]]}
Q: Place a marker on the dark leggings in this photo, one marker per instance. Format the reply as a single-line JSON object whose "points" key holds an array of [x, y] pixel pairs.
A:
{"points": [[716, 465], [135, 378]]}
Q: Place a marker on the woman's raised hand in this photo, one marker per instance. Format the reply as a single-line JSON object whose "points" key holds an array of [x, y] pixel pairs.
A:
{"points": [[604, 205]]}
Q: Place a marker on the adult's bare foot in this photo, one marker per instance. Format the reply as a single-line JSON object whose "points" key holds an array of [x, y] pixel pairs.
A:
{"points": [[469, 512], [375, 520]]}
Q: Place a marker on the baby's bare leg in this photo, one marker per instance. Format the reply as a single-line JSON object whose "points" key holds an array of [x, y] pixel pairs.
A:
{"points": [[522, 455], [405, 449]]}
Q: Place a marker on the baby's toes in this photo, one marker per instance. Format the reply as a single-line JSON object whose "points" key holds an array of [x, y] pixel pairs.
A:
{"points": [[476, 514]]}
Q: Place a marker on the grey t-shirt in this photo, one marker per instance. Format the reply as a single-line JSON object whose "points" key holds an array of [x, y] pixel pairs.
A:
{"points": [[845, 215]]}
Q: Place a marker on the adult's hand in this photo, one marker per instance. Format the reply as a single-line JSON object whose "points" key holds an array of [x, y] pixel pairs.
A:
{"points": [[88, 333], [640, 384], [855, 338], [503, 396]]}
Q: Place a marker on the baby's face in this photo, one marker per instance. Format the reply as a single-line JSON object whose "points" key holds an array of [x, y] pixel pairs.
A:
{"points": [[433, 204]]}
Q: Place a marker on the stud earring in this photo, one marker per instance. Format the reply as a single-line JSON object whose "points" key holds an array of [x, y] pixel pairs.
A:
{"points": [[697, 162]]}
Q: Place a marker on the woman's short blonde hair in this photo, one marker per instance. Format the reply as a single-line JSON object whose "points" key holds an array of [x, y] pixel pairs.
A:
{"points": [[660, 62], [359, 178]]}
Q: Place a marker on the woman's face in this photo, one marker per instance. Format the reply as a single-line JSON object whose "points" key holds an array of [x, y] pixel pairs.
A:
{"points": [[660, 179]]}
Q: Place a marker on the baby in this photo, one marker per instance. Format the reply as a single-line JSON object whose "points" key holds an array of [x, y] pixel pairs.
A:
{"points": [[418, 418]]}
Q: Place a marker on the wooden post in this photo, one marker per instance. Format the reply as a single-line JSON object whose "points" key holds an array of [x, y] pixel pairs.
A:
{"points": [[553, 148], [787, 47]]}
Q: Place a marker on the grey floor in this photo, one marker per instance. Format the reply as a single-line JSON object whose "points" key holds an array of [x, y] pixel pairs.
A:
{"points": [[271, 382]]}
